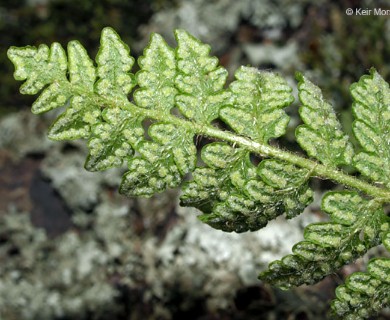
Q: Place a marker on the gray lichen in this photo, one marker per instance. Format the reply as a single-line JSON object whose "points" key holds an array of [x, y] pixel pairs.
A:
{"points": [[194, 258], [79, 188], [21, 135], [214, 21], [50, 279], [81, 270]]}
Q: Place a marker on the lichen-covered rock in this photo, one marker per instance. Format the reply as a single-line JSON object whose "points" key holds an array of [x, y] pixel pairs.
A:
{"points": [[92, 269], [79, 188], [42, 278], [21, 134], [206, 262]]}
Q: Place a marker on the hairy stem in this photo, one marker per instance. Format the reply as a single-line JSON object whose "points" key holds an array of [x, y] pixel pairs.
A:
{"points": [[316, 169]]}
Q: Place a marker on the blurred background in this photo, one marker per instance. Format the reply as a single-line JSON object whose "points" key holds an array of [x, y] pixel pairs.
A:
{"points": [[72, 248]]}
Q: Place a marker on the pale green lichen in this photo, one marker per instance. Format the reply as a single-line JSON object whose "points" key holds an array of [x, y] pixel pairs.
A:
{"points": [[33, 287]]}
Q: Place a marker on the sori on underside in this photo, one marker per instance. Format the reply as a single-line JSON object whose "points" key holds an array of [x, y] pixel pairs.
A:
{"points": [[181, 92]]}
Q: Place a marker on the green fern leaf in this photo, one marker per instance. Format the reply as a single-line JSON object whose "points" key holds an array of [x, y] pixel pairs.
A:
{"points": [[372, 127], [156, 77], [75, 122], [112, 140], [177, 143], [356, 225], [41, 67], [364, 293], [199, 80], [82, 72], [38, 66], [258, 101], [82, 112], [215, 189], [151, 173], [114, 80], [114, 65], [236, 196], [115, 139], [290, 184], [321, 135]]}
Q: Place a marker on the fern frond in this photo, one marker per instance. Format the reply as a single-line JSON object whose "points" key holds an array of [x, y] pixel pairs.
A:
{"points": [[178, 94]]}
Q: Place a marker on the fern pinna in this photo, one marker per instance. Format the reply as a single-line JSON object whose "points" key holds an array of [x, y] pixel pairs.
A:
{"points": [[181, 92]]}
